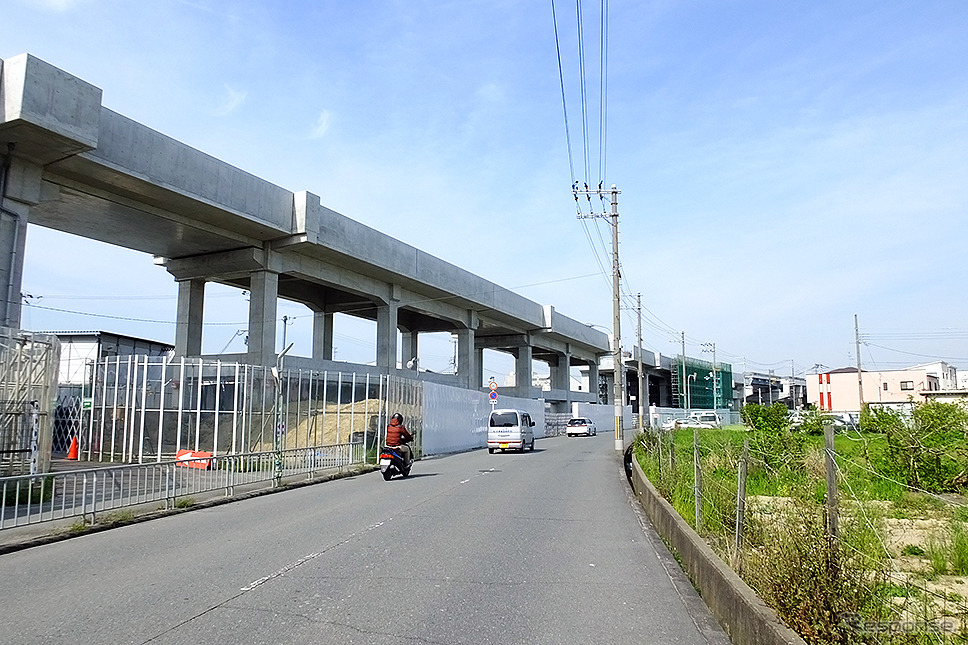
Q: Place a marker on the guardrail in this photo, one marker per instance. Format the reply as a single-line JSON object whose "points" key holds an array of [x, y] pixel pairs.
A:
{"points": [[27, 499]]}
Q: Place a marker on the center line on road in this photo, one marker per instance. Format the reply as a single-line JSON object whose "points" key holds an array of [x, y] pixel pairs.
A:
{"points": [[303, 560]]}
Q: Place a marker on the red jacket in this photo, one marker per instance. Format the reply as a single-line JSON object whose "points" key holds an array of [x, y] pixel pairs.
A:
{"points": [[397, 433]]}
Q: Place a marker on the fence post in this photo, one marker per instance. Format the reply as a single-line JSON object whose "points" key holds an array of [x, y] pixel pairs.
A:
{"points": [[697, 478], [659, 438], [672, 450], [833, 499], [741, 503]]}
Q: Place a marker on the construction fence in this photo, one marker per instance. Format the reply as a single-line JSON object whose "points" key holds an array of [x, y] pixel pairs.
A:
{"points": [[147, 408], [28, 382]]}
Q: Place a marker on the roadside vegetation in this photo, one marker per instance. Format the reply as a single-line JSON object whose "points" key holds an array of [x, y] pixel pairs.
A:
{"points": [[897, 569]]}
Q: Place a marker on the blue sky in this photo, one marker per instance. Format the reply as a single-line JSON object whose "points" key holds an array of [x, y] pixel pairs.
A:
{"points": [[783, 165]]}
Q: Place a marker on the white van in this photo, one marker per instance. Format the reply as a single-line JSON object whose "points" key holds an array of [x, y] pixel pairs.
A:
{"points": [[509, 430]]}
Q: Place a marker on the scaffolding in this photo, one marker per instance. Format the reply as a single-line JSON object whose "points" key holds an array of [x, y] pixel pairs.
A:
{"points": [[693, 384], [28, 384]]}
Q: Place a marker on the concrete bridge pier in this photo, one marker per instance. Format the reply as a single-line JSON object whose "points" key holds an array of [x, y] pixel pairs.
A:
{"points": [[19, 190], [263, 305], [189, 317], [322, 334], [386, 333]]}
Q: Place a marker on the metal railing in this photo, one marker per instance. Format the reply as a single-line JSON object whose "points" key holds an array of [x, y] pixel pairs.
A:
{"points": [[86, 493]]}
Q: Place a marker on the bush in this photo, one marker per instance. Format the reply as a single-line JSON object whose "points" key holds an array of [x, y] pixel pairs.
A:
{"points": [[814, 421], [772, 442], [929, 448], [772, 419]]}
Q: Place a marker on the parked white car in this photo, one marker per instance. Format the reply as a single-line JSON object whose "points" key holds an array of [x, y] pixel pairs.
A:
{"points": [[707, 419], [581, 425]]}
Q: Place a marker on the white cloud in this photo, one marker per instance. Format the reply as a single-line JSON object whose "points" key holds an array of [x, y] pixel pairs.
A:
{"points": [[233, 99], [321, 127]]}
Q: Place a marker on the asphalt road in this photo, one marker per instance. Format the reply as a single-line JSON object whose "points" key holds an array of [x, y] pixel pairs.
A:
{"points": [[540, 547]]}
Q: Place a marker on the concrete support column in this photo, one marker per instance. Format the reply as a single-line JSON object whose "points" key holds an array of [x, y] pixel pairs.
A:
{"points": [[522, 371], [322, 336], [386, 336], [19, 190], [188, 325], [263, 296], [409, 350], [479, 361], [593, 378], [561, 379], [13, 237], [561, 373], [468, 365]]}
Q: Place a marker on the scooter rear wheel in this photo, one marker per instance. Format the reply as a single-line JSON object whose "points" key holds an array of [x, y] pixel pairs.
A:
{"points": [[387, 475]]}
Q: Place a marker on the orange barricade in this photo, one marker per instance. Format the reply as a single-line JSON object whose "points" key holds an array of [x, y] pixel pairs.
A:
{"points": [[198, 459]]}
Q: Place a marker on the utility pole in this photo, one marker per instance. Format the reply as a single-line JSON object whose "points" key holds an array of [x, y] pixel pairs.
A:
{"points": [[793, 387], [618, 366], [684, 383], [860, 378], [712, 347], [642, 399]]}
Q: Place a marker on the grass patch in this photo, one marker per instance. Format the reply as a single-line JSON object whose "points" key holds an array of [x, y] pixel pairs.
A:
{"points": [[912, 549], [184, 502]]}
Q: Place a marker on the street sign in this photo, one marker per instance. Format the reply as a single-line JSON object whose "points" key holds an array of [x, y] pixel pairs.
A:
{"points": [[493, 395], [492, 385]]}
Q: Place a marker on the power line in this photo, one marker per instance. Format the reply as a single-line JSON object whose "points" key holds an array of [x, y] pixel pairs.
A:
{"points": [[564, 105], [603, 120]]}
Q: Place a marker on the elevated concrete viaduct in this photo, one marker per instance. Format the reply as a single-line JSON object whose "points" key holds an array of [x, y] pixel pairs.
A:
{"points": [[70, 164]]}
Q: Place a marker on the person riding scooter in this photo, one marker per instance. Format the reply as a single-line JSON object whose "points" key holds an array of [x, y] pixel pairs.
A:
{"points": [[398, 437]]}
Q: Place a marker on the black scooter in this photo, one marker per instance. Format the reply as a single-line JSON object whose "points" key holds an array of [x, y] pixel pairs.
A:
{"points": [[392, 462]]}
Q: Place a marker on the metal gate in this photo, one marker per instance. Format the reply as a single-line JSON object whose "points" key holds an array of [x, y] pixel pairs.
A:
{"points": [[29, 366]]}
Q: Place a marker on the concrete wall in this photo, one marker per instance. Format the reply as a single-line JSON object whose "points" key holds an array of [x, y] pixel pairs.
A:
{"points": [[455, 419], [743, 614]]}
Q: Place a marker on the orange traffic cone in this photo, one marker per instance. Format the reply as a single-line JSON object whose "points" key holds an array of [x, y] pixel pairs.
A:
{"points": [[72, 453]]}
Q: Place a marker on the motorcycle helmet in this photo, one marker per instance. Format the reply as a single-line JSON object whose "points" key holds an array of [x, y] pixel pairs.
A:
{"points": [[398, 418]]}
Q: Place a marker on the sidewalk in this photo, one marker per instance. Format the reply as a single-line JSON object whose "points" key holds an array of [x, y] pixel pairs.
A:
{"points": [[40, 533]]}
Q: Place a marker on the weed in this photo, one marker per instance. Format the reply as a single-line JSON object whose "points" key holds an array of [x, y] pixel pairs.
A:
{"points": [[959, 549], [117, 517], [912, 549], [937, 552], [810, 583], [184, 502], [961, 513]]}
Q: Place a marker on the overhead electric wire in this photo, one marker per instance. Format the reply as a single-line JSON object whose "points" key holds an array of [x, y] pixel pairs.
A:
{"points": [[584, 97], [603, 119], [564, 104], [900, 351]]}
